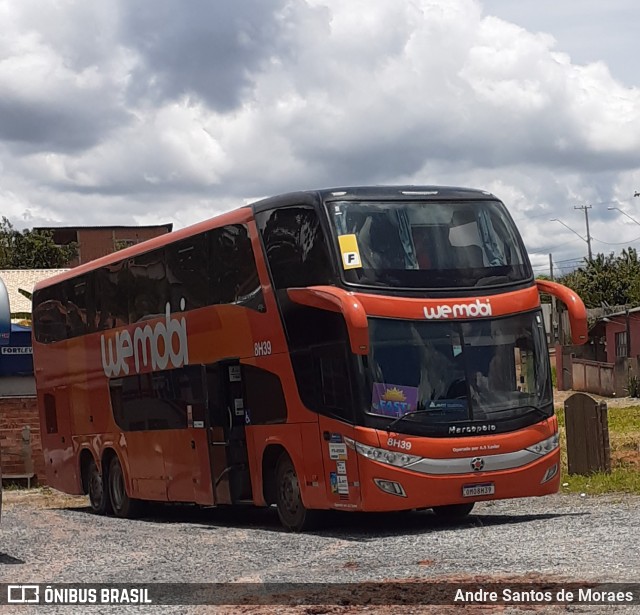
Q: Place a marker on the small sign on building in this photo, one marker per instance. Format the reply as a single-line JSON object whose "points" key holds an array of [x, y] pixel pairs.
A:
{"points": [[16, 359]]}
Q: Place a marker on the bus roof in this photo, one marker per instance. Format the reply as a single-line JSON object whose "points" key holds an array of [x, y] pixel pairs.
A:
{"points": [[377, 193], [242, 214]]}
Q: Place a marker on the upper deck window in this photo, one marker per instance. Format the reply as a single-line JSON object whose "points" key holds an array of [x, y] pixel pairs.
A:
{"points": [[430, 244], [295, 247], [210, 268]]}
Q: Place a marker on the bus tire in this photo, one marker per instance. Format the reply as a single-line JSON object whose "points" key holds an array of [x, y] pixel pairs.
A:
{"points": [[98, 491], [292, 512], [453, 511], [122, 505]]}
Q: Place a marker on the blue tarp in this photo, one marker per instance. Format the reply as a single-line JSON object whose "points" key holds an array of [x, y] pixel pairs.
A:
{"points": [[16, 358]]}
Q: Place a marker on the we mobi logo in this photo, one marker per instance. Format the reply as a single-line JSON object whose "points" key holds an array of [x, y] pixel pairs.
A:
{"points": [[162, 344], [459, 310]]}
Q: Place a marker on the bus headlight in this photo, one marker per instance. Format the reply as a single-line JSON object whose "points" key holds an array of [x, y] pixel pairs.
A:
{"points": [[546, 446], [392, 458]]}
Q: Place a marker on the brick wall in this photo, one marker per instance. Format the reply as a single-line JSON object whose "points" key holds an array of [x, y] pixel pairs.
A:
{"points": [[20, 437], [94, 243]]}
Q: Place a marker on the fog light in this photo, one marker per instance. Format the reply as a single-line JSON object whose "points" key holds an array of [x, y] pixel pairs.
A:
{"points": [[550, 473], [389, 486]]}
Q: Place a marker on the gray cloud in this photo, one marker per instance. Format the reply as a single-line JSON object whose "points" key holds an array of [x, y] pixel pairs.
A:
{"points": [[208, 49], [119, 112]]}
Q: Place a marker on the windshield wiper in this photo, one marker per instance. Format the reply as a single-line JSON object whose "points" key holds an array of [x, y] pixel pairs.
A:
{"points": [[529, 410], [404, 416], [539, 411]]}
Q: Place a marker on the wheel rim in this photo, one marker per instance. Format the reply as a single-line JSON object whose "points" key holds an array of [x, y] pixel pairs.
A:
{"points": [[117, 487], [96, 492], [290, 492]]}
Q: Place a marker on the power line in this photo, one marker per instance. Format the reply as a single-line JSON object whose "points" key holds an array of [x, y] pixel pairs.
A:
{"points": [[568, 260], [621, 243], [546, 249], [624, 213]]}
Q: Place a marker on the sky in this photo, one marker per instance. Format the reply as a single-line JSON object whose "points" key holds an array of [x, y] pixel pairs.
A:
{"points": [[115, 112]]}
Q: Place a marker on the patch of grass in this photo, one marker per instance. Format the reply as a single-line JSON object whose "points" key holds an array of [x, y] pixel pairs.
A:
{"points": [[621, 480], [633, 386], [624, 441], [624, 420]]}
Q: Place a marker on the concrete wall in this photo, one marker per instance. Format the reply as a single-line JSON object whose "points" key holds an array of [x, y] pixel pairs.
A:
{"points": [[606, 379], [593, 377], [17, 386]]}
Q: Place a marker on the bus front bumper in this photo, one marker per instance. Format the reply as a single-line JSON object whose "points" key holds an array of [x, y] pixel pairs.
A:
{"points": [[389, 488]]}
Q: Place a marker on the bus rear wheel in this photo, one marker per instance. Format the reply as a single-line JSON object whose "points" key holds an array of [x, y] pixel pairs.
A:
{"points": [[293, 515], [123, 506], [453, 511], [98, 491]]}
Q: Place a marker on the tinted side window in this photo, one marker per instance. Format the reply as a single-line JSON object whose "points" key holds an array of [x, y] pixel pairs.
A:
{"points": [[63, 311], [111, 290], [80, 311], [148, 286], [265, 398], [158, 400], [188, 273], [206, 269], [234, 277], [319, 354], [295, 247], [49, 316]]}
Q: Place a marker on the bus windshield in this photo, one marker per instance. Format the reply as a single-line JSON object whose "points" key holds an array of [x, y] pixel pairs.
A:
{"points": [[451, 372], [428, 244]]}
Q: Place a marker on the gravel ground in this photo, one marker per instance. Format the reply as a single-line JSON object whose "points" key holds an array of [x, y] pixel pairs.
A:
{"points": [[50, 538]]}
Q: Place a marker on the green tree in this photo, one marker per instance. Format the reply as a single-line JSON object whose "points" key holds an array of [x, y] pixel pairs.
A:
{"points": [[544, 297], [611, 279], [32, 249]]}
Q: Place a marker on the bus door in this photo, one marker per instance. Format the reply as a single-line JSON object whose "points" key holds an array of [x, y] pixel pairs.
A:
{"points": [[226, 433]]}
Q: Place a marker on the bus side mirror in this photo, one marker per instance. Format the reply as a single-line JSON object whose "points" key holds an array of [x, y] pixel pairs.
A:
{"points": [[575, 307], [338, 300]]}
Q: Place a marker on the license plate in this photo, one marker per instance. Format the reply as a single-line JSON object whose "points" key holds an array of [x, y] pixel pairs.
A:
{"points": [[472, 491]]}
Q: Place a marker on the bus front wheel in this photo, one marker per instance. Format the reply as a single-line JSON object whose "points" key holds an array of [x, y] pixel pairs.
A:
{"points": [[98, 491], [293, 515], [453, 511], [123, 506]]}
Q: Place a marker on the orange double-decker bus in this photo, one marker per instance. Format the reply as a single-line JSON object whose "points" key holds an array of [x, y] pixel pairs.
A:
{"points": [[360, 349]]}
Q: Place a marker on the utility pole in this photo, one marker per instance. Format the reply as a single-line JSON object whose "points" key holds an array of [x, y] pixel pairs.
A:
{"points": [[586, 209]]}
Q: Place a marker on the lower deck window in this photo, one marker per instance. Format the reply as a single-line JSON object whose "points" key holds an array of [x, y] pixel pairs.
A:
{"points": [[158, 400]]}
